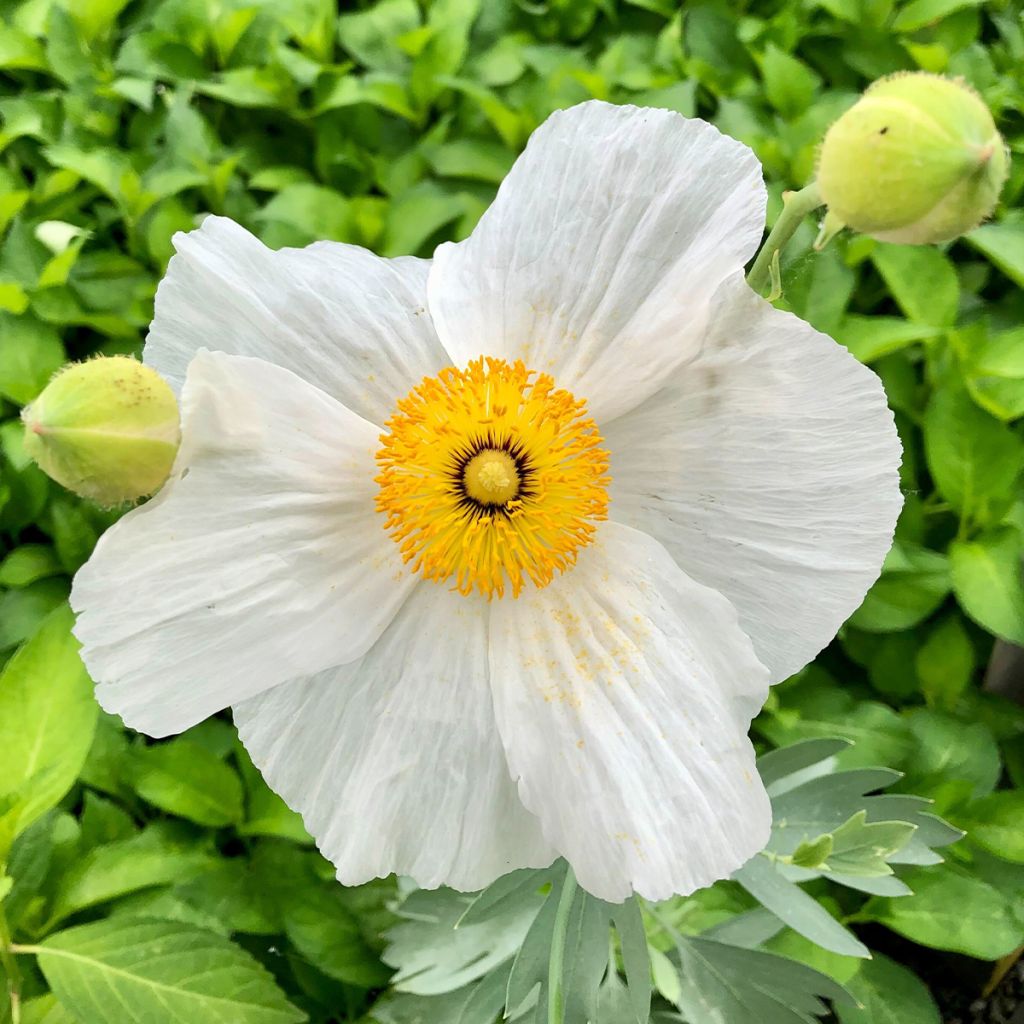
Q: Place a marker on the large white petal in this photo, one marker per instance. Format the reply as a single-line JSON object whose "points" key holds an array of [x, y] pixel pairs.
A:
{"points": [[260, 560], [769, 469], [395, 761], [623, 692], [350, 322], [597, 261]]}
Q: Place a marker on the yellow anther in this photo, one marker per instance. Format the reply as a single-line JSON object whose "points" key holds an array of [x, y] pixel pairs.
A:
{"points": [[491, 477]]}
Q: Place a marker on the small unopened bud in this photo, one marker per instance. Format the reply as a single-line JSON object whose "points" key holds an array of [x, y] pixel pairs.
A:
{"points": [[916, 160], [106, 429]]}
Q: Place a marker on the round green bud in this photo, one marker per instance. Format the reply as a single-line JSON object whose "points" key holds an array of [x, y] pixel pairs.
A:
{"points": [[916, 160], [106, 429]]}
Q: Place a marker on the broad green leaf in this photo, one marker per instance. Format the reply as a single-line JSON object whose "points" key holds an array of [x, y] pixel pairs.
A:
{"points": [[973, 458], [234, 895], [997, 824], [266, 814], [140, 972], [324, 931], [987, 582], [30, 354], [185, 779], [47, 718], [951, 909], [28, 563], [19, 50], [1001, 355], [878, 735], [945, 662], [789, 84], [373, 36], [888, 993], [914, 582], [1003, 244], [922, 281], [46, 1010], [872, 337], [23, 611], [949, 749], [160, 855]]}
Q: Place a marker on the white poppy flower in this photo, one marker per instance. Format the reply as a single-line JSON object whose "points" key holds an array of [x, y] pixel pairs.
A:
{"points": [[494, 556]]}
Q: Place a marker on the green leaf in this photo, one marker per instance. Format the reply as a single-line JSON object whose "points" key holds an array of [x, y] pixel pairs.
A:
{"points": [[987, 582], [47, 719], [160, 855], [139, 972], [23, 611], [888, 994], [373, 36], [28, 563], [325, 932], [185, 779], [997, 824], [266, 814], [789, 84], [30, 354], [922, 281], [914, 582], [234, 895], [973, 458], [872, 337], [945, 662], [18, 50], [951, 909], [46, 1010], [1003, 244], [949, 749]]}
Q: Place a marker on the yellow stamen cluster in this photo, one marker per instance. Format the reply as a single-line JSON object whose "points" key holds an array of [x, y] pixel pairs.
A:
{"points": [[490, 476]]}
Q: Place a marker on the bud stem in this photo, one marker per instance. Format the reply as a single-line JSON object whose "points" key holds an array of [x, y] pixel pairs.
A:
{"points": [[796, 206]]}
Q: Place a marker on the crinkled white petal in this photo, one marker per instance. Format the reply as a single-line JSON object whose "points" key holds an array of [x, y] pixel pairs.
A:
{"points": [[598, 259], [260, 560], [395, 761], [769, 469], [346, 320], [623, 692]]}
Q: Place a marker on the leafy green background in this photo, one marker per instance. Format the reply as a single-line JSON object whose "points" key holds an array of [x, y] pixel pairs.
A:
{"points": [[165, 882]]}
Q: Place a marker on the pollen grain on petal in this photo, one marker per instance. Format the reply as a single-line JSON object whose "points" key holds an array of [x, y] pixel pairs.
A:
{"points": [[491, 477]]}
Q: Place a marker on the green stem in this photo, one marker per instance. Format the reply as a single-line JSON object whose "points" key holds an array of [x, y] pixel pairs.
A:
{"points": [[556, 965], [796, 206], [11, 968]]}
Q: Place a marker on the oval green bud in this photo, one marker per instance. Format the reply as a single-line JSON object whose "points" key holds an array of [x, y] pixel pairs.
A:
{"points": [[916, 160], [106, 429]]}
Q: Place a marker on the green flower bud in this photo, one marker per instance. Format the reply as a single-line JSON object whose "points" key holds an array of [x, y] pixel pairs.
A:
{"points": [[916, 160], [106, 429]]}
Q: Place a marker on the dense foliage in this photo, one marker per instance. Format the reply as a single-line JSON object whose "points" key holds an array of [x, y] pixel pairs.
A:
{"points": [[163, 881]]}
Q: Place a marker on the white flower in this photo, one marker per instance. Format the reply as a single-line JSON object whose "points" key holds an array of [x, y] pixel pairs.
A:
{"points": [[582, 679]]}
